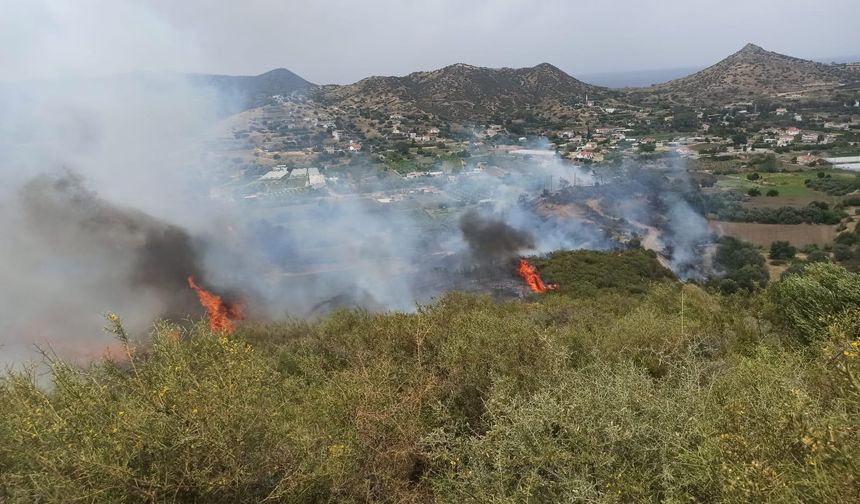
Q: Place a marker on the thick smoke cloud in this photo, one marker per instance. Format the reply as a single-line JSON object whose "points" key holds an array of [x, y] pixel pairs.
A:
{"points": [[120, 235], [492, 241], [107, 205], [147, 253]]}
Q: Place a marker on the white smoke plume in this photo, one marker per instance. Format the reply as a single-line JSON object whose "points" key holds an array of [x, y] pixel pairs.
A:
{"points": [[105, 206]]}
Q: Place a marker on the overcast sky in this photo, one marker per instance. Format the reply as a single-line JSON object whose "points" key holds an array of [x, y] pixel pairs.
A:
{"points": [[339, 41]]}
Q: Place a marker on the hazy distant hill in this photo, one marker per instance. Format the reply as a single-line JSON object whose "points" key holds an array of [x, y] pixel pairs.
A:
{"points": [[252, 91], [752, 73], [464, 92]]}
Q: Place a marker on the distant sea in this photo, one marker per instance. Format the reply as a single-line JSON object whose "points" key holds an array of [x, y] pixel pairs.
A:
{"points": [[636, 78], [840, 59]]}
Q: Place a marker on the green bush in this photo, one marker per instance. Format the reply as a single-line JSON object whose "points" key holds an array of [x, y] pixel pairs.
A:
{"points": [[808, 302], [675, 394], [782, 250], [741, 265], [587, 272]]}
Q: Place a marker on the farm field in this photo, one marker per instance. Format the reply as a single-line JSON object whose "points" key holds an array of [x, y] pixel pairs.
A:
{"points": [[763, 235], [789, 184]]}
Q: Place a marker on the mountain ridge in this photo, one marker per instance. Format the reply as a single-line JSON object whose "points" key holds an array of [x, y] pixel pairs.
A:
{"points": [[750, 73], [462, 91]]}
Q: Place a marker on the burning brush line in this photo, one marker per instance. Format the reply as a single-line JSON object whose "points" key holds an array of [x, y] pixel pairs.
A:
{"points": [[221, 313], [533, 279]]}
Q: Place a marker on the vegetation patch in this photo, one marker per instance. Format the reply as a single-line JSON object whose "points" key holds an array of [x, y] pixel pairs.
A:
{"points": [[674, 394], [582, 273]]}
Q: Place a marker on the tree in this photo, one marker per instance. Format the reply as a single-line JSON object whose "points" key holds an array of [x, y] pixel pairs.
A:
{"points": [[807, 302], [684, 119], [402, 148], [848, 238], [782, 250], [744, 267], [770, 163], [818, 256], [842, 252]]}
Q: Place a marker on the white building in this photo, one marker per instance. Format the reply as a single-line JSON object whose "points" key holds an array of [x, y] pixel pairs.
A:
{"points": [[276, 173], [315, 179], [809, 138]]}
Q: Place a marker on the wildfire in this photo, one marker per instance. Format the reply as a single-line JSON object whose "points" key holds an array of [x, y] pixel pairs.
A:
{"points": [[221, 313], [532, 277]]}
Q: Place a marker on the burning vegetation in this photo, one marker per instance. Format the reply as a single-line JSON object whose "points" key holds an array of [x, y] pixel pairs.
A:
{"points": [[533, 279], [221, 313], [454, 402]]}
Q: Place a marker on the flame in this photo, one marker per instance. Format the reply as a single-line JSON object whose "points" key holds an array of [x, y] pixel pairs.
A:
{"points": [[221, 313], [532, 277]]}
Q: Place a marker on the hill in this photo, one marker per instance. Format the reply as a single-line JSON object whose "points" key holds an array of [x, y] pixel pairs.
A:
{"points": [[249, 91], [752, 73], [464, 92], [674, 394]]}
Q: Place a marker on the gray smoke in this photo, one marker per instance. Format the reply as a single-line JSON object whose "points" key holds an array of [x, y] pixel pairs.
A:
{"points": [[65, 216], [152, 201], [492, 241]]}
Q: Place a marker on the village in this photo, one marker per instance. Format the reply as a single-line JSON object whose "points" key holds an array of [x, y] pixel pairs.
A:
{"points": [[290, 146]]}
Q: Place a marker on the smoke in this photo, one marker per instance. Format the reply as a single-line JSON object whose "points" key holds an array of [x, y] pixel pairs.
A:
{"points": [[104, 202], [686, 234], [492, 241], [129, 246], [116, 189]]}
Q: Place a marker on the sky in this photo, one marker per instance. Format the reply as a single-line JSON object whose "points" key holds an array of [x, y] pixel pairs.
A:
{"points": [[340, 41]]}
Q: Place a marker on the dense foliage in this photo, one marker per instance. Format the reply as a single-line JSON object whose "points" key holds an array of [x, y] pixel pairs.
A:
{"points": [[782, 250], [587, 272], [741, 264], [846, 248], [672, 395], [816, 212], [834, 186]]}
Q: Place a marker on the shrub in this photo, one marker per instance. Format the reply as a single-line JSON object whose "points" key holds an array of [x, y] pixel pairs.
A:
{"points": [[587, 273], [806, 303], [818, 256], [847, 238], [782, 250], [754, 192], [671, 395], [741, 263]]}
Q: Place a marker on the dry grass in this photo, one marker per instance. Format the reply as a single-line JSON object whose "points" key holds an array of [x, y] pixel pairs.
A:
{"points": [[762, 235]]}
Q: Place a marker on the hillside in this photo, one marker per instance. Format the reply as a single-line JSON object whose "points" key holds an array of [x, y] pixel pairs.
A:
{"points": [[753, 73], [464, 92], [247, 91], [663, 393]]}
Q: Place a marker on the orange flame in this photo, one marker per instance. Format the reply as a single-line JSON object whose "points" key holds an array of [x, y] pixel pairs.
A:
{"points": [[532, 277], [221, 313]]}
